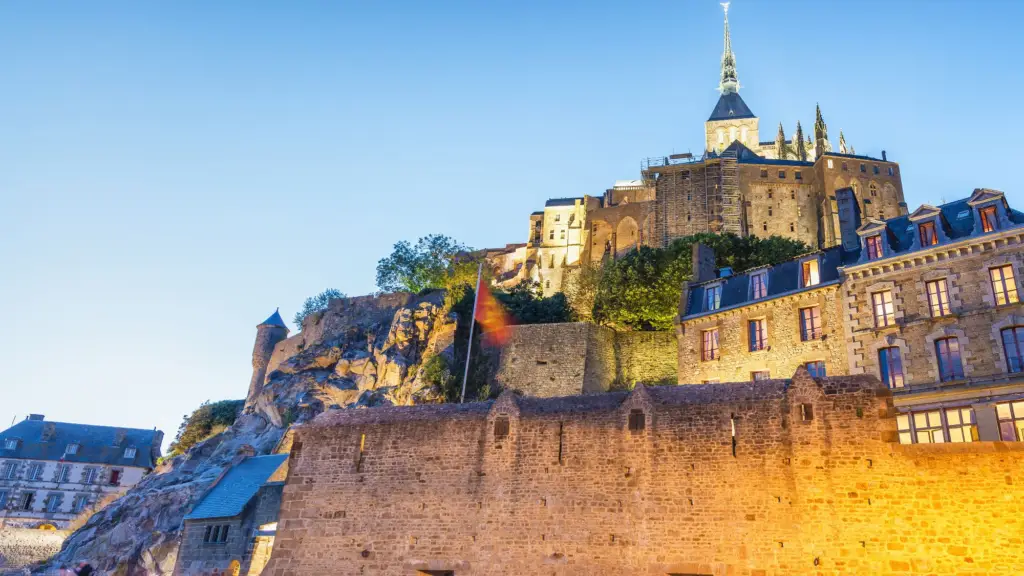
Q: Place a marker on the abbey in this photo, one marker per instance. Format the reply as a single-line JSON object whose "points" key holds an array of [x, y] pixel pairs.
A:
{"points": [[784, 186]]}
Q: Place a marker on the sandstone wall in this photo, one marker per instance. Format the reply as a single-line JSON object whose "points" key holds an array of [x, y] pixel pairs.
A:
{"points": [[21, 546], [736, 479], [547, 360]]}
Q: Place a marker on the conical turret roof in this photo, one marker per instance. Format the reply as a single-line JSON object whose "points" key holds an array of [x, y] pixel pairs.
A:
{"points": [[274, 320]]}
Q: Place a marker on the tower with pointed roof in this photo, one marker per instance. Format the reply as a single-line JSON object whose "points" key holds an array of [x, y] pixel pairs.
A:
{"points": [[821, 143], [268, 334], [731, 120]]}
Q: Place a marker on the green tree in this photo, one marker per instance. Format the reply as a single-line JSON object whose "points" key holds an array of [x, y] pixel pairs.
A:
{"points": [[203, 422], [428, 264], [316, 304], [580, 288], [526, 304], [641, 290]]}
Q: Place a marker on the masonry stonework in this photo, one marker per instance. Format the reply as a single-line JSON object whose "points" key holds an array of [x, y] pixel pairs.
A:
{"points": [[797, 477]]}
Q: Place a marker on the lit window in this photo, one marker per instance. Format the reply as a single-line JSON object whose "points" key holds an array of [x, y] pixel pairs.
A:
{"points": [[743, 134], [709, 345], [732, 134], [129, 453], [758, 334], [810, 273], [885, 314], [1004, 286], [759, 285], [721, 137], [926, 232], [928, 427], [810, 323], [760, 375], [1011, 421], [874, 245], [713, 297], [816, 369], [830, 164], [1013, 346], [71, 449], [782, 173], [891, 367], [938, 298], [988, 219], [947, 352], [960, 425]]}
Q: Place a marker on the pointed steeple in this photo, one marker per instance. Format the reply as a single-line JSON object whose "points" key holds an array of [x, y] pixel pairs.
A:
{"points": [[275, 320], [821, 144], [780, 144], [798, 142], [729, 83], [842, 143]]}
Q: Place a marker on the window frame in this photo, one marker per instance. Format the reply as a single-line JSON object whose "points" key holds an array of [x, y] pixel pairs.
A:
{"points": [[950, 363], [987, 225], [818, 370], [759, 285], [886, 372], [1013, 415], [710, 346], [886, 306], [927, 231], [636, 421], [1007, 281], [760, 375], [938, 300], [713, 292], [1017, 334], [873, 246], [814, 331], [810, 267], [757, 334], [938, 427]]}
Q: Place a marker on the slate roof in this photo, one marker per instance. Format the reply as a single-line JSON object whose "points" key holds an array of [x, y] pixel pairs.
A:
{"points": [[96, 444], [563, 201], [730, 106], [229, 496], [783, 279], [274, 320]]}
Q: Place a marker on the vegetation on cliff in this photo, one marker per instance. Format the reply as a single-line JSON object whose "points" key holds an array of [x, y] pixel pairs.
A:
{"points": [[205, 421], [316, 304]]}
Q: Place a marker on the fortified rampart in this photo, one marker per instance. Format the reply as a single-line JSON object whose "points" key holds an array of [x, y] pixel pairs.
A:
{"points": [[794, 477], [548, 360]]}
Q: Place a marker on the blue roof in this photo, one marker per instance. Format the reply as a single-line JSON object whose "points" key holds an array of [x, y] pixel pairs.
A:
{"points": [[229, 496], [783, 279], [274, 320], [730, 106], [96, 444], [563, 201]]}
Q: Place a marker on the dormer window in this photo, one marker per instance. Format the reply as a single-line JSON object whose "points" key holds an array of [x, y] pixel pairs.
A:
{"points": [[10, 444], [926, 232], [129, 453], [759, 285], [713, 298], [809, 273], [71, 449], [874, 246], [989, 222]]}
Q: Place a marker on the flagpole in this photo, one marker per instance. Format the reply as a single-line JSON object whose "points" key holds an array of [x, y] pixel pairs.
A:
{"points": [[472, 322]]}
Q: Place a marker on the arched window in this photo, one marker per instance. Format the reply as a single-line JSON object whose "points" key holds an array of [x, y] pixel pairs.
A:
{"points": [[873, 190], [732, 134], [721, 136], [743, 134]]}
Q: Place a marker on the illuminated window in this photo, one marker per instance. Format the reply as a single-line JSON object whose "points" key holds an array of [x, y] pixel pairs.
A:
{"points": [[810, 323], [721, 136], [928, 427], [810, 273], [757, 331], [885, 314], [1004, 286], [937, 426], [938, 298], [926, 232], [760, 376], [874, 245], [816, 369], [709, 345], [947, 352], [1011, 421], [988, 219], [960, 425], [830, 164], [891, 366], [1013, 346], [759, 285], [713, 297]]}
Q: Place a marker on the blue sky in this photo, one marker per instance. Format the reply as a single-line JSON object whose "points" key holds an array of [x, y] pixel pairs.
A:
{"points": [[172, 172]]}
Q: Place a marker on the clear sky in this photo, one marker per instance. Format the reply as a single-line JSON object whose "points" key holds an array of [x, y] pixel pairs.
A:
{"points": [[171, 172]]}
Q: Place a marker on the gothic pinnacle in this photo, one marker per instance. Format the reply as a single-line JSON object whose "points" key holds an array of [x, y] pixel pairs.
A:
{"points": [[730, 81]]}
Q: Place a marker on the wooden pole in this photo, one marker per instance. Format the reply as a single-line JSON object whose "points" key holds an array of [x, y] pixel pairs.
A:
{"points": [[472, 323]]}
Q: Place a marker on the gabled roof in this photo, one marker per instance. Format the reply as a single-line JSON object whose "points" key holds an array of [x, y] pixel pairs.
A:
{"points": [[274, 320], [229, 496], [96, 444], [730, 106], [981, 195], [923, 211], [871, 225]]}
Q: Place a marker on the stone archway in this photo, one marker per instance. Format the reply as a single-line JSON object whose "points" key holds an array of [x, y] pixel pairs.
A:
{"points": [[627, 236], [600, 240]]}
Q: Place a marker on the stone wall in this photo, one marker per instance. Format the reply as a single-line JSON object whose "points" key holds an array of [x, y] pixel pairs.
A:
{"points": [[21, 547], [779, 478], [548, 360]]}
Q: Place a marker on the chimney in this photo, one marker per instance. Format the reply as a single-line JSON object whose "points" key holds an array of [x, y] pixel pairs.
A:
{"points": [[849, 219], [703, 263], [883, 156], [36, 417]]}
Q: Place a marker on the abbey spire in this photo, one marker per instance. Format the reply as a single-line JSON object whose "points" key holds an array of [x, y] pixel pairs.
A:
{"points": [[781, 152], [729, 83], [821, 143], [798, 142]]}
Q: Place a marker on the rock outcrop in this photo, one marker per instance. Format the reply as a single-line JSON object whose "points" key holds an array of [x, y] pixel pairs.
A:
{"points": [[360, 352]]}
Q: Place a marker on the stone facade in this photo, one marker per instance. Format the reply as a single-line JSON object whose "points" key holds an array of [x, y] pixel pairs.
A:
{"points": [[20, 547], [549, 360], [781, 478]]}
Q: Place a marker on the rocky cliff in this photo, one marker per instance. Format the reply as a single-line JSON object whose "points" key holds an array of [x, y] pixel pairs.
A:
{"points": [[359, 352]]}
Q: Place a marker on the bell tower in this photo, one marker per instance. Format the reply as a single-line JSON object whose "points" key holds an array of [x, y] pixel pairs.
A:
{"points": [[731, 120]]}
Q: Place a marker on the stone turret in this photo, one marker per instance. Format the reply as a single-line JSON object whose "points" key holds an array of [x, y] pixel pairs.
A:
{"points": [[268, 334], [821, 143], [798, 143]]}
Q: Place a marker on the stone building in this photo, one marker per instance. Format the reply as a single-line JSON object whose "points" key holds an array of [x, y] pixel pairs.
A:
{"points": [[230, 532], [796, 477], [932, 307], [762, 323], [52, 471], [739, 184]]}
